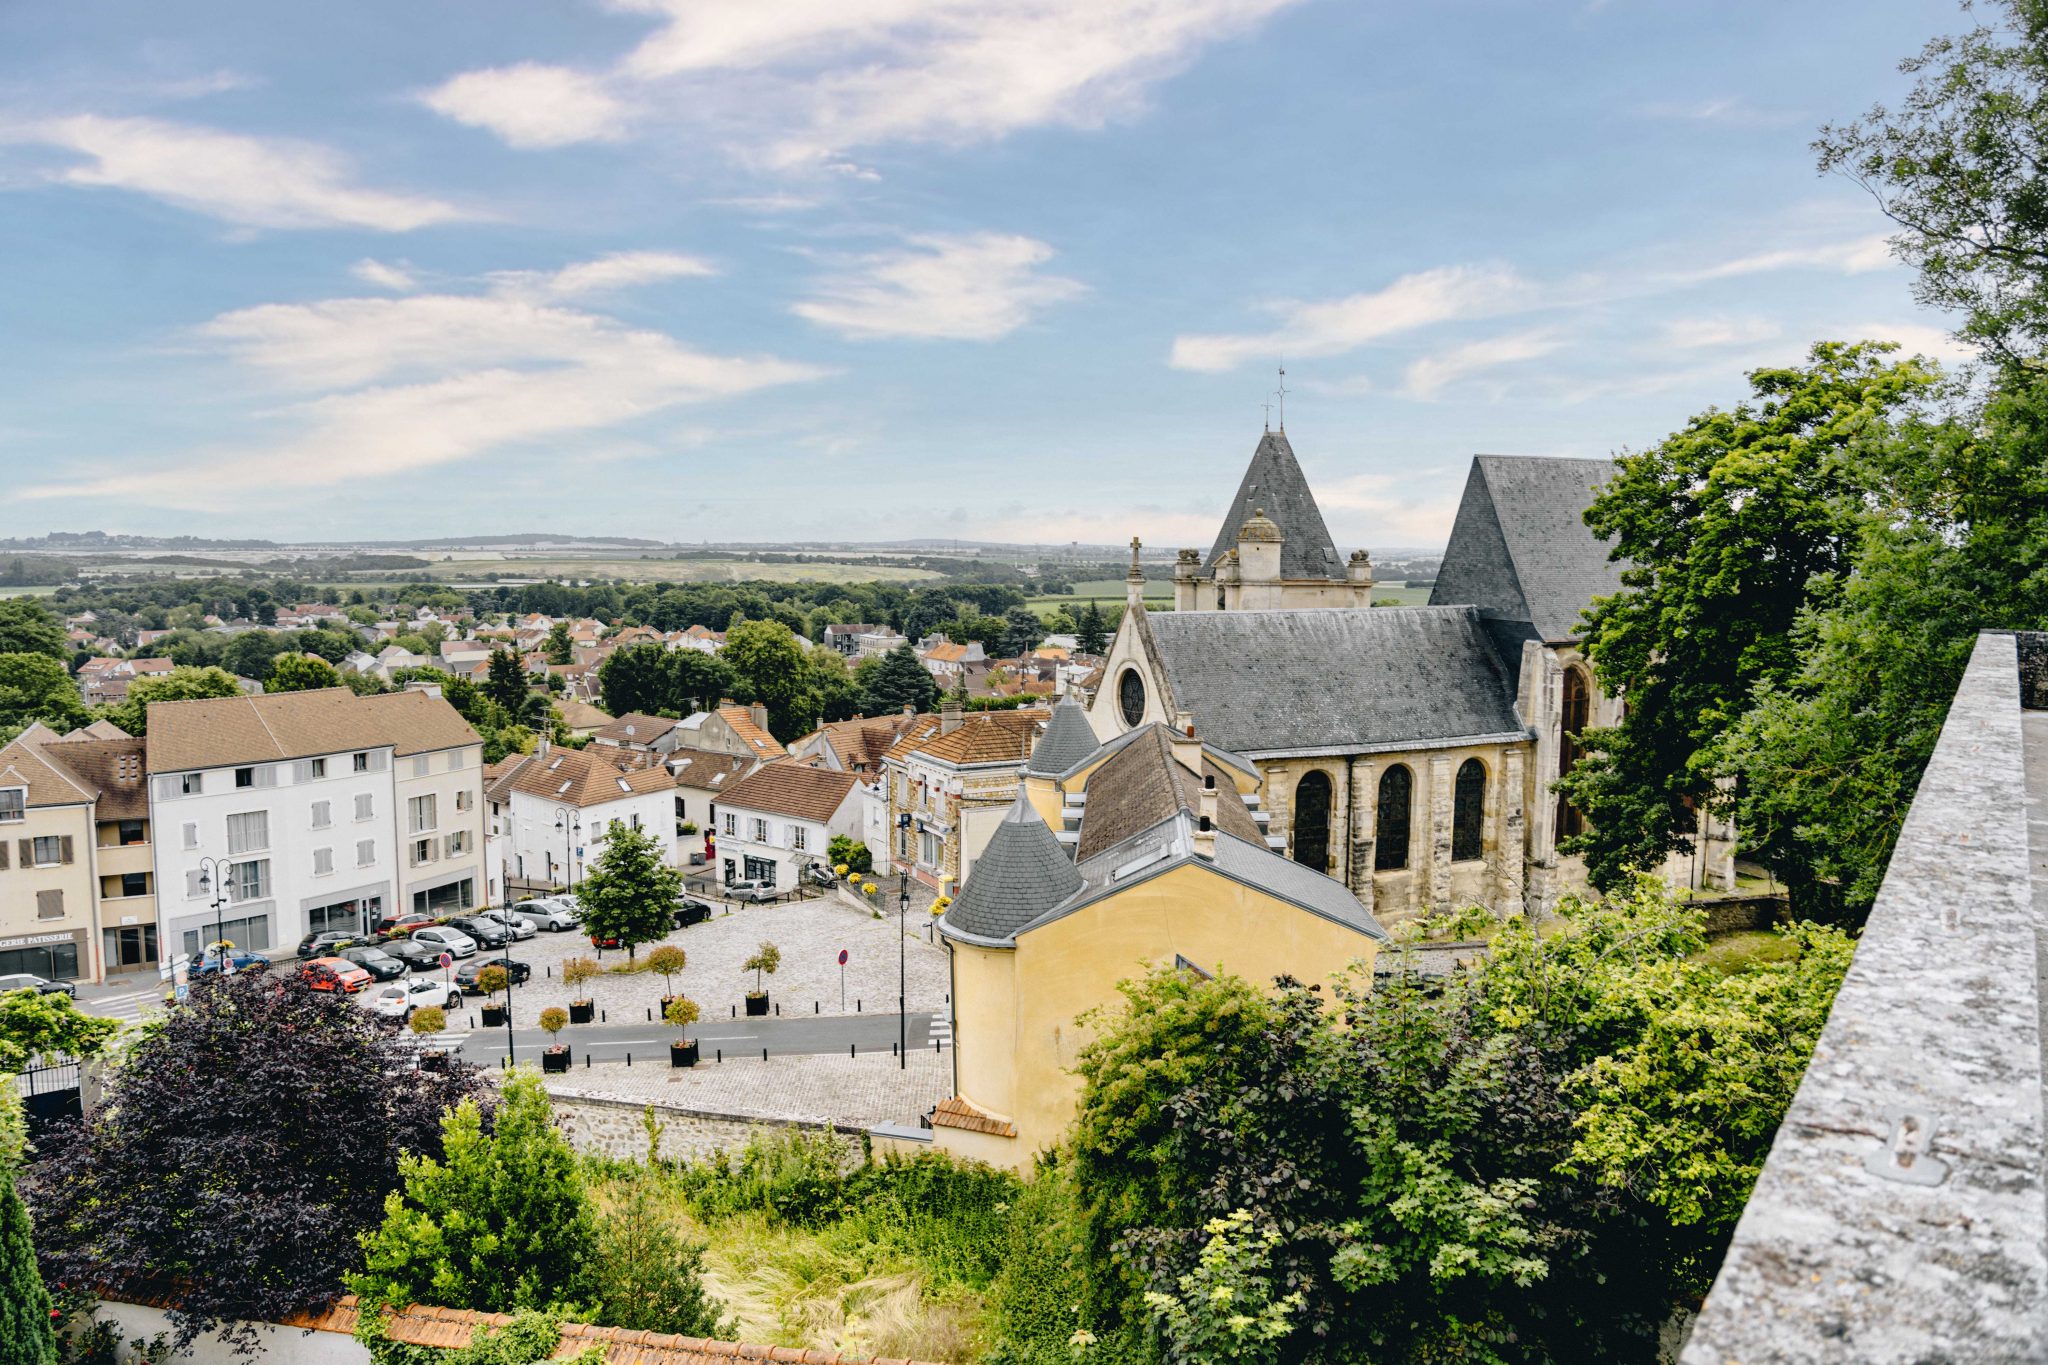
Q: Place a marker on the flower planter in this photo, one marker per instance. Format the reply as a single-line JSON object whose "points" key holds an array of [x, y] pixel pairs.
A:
{"points": [[582, 1011], [433, 1061], [494, 1016], [666, 1001], [757, 1004], [555, 1059], [683, 1054]]}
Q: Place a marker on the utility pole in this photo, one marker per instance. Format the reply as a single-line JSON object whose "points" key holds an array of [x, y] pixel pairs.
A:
{"points": [[902, 972]]}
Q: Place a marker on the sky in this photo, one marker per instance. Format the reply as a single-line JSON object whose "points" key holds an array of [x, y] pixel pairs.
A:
{"points": [[1021, 270]]}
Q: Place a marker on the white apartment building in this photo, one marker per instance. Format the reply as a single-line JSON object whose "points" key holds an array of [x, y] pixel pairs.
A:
{"points": [[782, 816], [437, 772], [550, 809], [291, 803]]}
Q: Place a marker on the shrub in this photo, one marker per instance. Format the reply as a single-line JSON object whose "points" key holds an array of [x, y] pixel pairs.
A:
{"points": [[429, 1019], [764, 962], [554, 1019], [493, 980], [667, 961], [578, 971], [681, 1012]]}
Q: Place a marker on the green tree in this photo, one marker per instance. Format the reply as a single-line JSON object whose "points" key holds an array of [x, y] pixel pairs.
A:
{"points": [[297, 673], [768, 666], [251, 653], [630, 893], [33, 1021], [27, 1334], [28, 627], [506, 683], [1022, 632], [900, 679], [1093, 635], [636, 678], [1731, 527], [559, 648], [652, 1277], [830, 690], [853, 854], [500, 1222], [131, 713], [36, 687]]}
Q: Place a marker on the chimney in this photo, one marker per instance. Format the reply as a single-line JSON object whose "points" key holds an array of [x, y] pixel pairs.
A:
{"points": [[540, 750], [1187, 750], [949, 715], [908, 709], [760, 714], [1205, 823]]}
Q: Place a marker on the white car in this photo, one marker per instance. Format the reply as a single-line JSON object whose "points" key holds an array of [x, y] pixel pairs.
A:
{"points": [[444, 939], [399, 999], [551, 913], [520, 926]]}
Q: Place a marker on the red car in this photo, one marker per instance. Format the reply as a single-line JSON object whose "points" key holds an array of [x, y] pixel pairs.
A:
{"points": [[334, 974], [404, 924]]}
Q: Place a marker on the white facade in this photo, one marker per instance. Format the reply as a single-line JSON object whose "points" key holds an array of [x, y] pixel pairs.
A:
{"points": [[303, 845], [532, 849], [440, 805], [759, 845]]}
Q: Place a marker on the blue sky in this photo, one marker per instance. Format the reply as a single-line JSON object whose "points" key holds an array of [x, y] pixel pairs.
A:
{"points": [[868, 269]]}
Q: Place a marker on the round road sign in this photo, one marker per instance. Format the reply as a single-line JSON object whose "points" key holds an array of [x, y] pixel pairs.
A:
{"points": [[447, 961], [842, 957]]}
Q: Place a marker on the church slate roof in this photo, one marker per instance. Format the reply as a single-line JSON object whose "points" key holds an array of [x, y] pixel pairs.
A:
{"points": [[1275, 484], [1273, 682], [1021, 874], [1520, 548], [1068, 740]]}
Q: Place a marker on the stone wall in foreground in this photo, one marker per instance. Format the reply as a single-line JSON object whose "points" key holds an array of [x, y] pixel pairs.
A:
{"points": [[618, 1129]]}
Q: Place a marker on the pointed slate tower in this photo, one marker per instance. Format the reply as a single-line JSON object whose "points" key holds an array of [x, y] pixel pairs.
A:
{"points": [[1275, 485], [1068, 739], [1022, 874]]}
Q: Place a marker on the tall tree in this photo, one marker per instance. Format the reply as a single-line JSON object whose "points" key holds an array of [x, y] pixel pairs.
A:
{"points": [[297, 673], [131, 713], [636, 678], [202, 1169], [630, 894], [27, 1336], [27, 627], [560, 648], [767, 663], [1022, 631], [1093, 635], [1731, 527], [653, 1277], [498, 1222], [506, 683], [36, 687], [900, 679]]}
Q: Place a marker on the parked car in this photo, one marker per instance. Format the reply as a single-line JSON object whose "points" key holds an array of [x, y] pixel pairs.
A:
{"points": [[487, 932], [322, 945], [417, 957], [334, 974], [519, 925], [239, 960], [690, 910], [404, 924], [752, 892], [29, 981], [398, 1000], [817, 874], [446, 938], [551, 913], [378, 963], [516, 972]]}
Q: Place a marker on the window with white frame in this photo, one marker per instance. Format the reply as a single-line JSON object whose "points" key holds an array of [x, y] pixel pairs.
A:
{"points": [[931, 849], [13, 804], [316, 768], [420, 813], [48, 850], [422, 851], [366, 852], [245, 777], [732, 823], [799, 837], [323, 862], [366, 806], [420, 764], [760, 830], [465, 799], [323, 814], [249, 831], [249, 881], [191, 784], [360, 762], [456, 843]]}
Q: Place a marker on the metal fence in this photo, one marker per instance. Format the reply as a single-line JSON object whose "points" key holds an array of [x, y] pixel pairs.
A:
{"points": [[50, 1094]]}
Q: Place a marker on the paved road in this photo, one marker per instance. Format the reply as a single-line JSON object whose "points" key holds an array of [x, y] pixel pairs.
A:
{"points": [[611, 1042]]}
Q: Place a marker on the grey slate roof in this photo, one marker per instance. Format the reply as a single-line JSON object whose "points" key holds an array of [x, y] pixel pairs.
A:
{"points": [[1020, 875], [1266, 682], [1274, 482], [1068, 740], [1520, 548]]}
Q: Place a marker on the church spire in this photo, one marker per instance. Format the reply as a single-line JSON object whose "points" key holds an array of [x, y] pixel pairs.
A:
{"points": [[1274, 484]]}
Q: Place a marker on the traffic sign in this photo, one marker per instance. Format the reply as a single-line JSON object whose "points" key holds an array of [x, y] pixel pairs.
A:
{"points": [[181, 990], [842, 957]]}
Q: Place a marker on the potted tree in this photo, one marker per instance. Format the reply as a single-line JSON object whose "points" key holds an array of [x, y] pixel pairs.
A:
{"points": [[578, 972], [493, 980], [555, 1056], [681, 1012], [667, 961], [429, 1019], [763, 963]]}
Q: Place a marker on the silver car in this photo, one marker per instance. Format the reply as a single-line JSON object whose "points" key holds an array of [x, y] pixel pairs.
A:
{"points": [[519, 925], [549, 912], [451, 941]]}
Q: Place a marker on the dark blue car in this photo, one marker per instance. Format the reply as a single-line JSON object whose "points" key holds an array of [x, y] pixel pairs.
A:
{"points": [[238, 959]]}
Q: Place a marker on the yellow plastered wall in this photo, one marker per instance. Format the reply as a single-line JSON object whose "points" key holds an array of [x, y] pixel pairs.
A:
{"points": [[1017, 1031]]}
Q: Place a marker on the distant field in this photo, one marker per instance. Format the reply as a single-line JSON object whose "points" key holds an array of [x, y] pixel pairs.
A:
{"points": [[26, 592], [1400, 594], [655, 571]]}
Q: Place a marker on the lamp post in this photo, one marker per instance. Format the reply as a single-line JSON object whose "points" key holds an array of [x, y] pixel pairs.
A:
{"points": [[569, 823], [511, 1059], [213, 881], [902, 973]]}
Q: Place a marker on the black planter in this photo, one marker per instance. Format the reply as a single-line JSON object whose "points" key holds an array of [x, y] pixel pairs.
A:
{"points": [[555, 1059], [433, 1061], [494, 1016], [582, 1011], [757, 1004], [683, 1054]]}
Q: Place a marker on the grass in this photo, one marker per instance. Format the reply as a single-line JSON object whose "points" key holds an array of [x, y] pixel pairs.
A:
{"points": [[1738, 952]]}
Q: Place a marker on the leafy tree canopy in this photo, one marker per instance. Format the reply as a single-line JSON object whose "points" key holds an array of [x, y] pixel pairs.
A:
{"points": [[131, 713], [33, 1022], [36, 687], [630, 893], [297, 673], [28, 627], [896, 680]]}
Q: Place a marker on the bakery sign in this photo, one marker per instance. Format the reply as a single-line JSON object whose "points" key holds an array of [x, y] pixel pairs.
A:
{"points": [[34, 940]]}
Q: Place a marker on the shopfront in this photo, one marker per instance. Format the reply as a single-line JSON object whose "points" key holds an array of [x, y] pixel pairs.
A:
{"points": [[59, 956]]}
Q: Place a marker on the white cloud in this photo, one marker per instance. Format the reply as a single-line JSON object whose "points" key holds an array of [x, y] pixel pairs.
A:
{"points": [[1430, 375], [386, 387], [804, 80], [1687, 334], [1726, 109], [531, 105], [395, 278], [1856, 256], [767, 203], [1914, 338], [620, 270], [253, 181], [1387, 509], [1332, 327], [969, 287]]}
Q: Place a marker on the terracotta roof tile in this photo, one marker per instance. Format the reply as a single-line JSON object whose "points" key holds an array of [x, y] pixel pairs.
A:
{"points": [[955, 1112], [981, 737], [793, 790], [636, 727], [741, 719], [580, 777], [219, 731]]}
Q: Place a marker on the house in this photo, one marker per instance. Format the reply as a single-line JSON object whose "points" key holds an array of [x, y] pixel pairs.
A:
{"points": [[701, 777], [950, 663], [846, 638], [881, 641], [102, 682], [111, 764], [702, 639], [1145, 851], [280, 815], [552, 810], [781, 817], [853, 746], [145, 638], [581, 718], [47, 922], [391, 658], [638, 730], [947, 783], [731, 729]]}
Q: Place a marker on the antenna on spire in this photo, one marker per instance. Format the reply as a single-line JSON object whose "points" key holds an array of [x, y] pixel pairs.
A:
{"points": [[1269, 415], [1281, 395]]}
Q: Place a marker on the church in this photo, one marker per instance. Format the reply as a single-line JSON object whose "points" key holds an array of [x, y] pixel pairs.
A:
{"points": [[1407, 752]]}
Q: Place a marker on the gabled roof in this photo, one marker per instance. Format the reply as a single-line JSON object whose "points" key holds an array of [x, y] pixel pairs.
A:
{"points": [[579, 777], [1068, 740], [1338, 681], [1022, 874], [981, 737], [741, 719], [706, 768], [792, 790], [1143, 784], [1274, 483], [417, 722], [23, 763], [1520, 548], [862, 741], [635, 727], [113, 768]]}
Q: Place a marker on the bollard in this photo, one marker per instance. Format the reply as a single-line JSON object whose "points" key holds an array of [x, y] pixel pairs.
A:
{"points": [[856, 1004], [629, 1059], [650, 1014], [853, 1049], [721, 1056], [602, 1018], [586, 1061], [814, 1007], [735, 1011], [764, 1054], [778, 1009], [935, 1045], [892, 1049], [551, 972]]}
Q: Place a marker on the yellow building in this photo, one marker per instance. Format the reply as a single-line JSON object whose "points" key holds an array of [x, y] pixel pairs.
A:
{"points": [[1161, 858], [46, 864]]}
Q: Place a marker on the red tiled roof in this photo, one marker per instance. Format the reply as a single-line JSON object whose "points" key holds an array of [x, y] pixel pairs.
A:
{"points": [[954, 1112], [791, 789]]}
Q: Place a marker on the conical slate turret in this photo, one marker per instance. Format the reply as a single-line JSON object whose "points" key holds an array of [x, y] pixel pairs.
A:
{"points": [[1068, 739], [1020, 875]]}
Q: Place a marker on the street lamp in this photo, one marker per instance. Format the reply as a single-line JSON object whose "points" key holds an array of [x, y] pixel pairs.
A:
{"points": [[213, 880], [902, 973], [570, 823]]}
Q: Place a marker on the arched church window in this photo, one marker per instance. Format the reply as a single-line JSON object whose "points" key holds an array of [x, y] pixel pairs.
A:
{"points": [[1312, 821], [1390, 831], [1468, 812], [1572, 716], [1130, 697]]}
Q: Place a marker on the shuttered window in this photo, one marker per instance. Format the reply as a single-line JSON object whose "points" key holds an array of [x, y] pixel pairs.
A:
{"points": [[50, 904]]}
